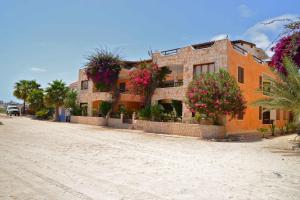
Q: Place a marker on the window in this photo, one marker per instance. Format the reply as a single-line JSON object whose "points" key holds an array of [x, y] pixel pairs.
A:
{"points": [[260, 82], [291, 117], [240, 75], [284, 115], [204, 68], [260, 113], [277, 114], [266, 88], [84, 85], [122, 87], [267, 117]]}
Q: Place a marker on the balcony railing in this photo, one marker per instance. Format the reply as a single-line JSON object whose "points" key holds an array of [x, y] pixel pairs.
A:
{"points": [[240, 50], [258, 59], [172, 83], [170, 52]]}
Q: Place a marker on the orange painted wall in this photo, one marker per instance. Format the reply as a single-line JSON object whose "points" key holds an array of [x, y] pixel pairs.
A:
{"points": [[252, 71]]}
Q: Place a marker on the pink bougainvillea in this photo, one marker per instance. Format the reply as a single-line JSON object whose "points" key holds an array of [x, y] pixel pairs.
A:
{"points": [[146, 78], [288, 46], [215, 95], [103, 69], [140, 80]]}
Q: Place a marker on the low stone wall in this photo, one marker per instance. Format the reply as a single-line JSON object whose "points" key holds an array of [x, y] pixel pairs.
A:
{"points": [[99, 121], [184, 129], [116, 123]]}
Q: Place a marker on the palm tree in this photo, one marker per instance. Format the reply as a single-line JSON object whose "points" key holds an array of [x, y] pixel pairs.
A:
{"points": [[55, 95], [23, 88], [285, 92], [36, 99]]}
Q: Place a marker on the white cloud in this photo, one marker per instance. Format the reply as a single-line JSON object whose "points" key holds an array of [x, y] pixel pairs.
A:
{"points": [[244, 11], [219, 37], [263, 33], [37, 69]]}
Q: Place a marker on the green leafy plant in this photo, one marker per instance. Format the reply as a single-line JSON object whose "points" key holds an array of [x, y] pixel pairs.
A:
{"points": [[70, 100], [284, 92], [44, 113], [282, 130], [287, 128], [2, 110], [145, 113], [23, 88], [104, 108], [36, 99], [273, 129], [156, 112], [293, 127], [263, 131], [76, 110], [55, 96]]}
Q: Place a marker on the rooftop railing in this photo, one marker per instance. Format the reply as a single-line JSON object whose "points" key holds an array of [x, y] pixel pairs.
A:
{"points": [[258, 59], [170, 52], [240, 50]]}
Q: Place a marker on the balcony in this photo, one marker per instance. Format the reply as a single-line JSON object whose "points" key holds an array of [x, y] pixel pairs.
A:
{"points": [[171, 83], [127, 96]]}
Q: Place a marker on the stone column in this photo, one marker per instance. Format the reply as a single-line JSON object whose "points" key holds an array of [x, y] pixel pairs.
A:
{"points": [[90, 108]]}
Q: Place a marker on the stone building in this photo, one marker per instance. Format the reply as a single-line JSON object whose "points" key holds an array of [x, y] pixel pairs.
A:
{"points": [[242, 59]]}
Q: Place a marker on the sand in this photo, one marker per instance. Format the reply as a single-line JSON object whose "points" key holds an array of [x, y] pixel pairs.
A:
{"points": [[49, 160]]}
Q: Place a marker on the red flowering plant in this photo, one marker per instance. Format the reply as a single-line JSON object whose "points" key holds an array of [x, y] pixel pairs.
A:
{"points": [[145, 79], [215, 95], [287, 46], [103, 69]]}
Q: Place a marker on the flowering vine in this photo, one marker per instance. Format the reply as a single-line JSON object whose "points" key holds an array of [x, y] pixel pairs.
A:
{"points": [[103, 69], [288, 46], [145, 79]]}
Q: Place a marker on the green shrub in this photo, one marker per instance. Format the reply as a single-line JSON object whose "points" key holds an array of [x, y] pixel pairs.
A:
{"points": [[76, 111], [272, 129], [105, 107], [145, 113], [156, 112], [44, 113], [263, 131], [293, 127], [2, 110]]}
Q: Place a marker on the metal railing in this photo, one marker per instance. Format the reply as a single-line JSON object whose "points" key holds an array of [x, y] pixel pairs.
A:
{"points": [[240, 50], [172, 83], [258, 59], [170, 52]]}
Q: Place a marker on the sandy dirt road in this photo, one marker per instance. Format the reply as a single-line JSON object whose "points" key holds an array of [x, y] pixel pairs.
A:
{"points": [[48, 160]]}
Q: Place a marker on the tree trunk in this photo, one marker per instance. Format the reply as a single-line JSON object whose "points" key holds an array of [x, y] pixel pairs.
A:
{"points": [[56, 113], [23, 110]]}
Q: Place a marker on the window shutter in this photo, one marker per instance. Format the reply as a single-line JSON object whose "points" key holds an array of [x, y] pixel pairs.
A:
{"points": [[277, 114], [240, 75], [260, 82], [260, 113]]}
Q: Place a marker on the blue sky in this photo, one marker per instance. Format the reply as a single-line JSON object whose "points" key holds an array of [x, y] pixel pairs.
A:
{"points": [[47, 40]]}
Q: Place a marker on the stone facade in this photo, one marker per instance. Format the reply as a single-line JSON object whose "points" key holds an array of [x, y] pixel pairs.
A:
{"points": [[184, 129], [188, 57], [98, 121], [225, 54]]}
